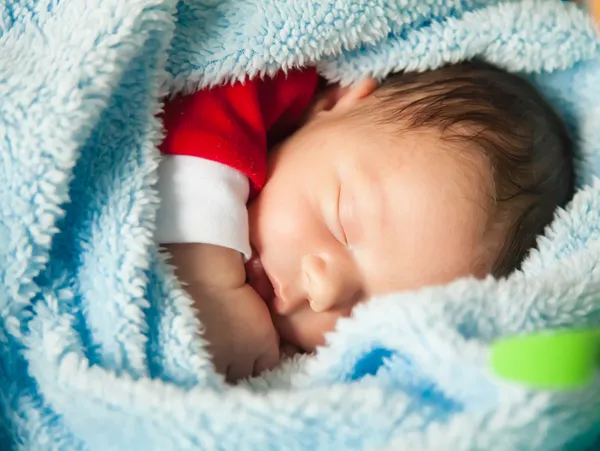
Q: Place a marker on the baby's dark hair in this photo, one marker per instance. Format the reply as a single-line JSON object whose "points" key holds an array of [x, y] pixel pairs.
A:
{"points": [[501, 114]]}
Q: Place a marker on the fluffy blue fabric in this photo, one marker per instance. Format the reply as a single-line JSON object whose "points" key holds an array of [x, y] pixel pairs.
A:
{"points": [[99, 345]]}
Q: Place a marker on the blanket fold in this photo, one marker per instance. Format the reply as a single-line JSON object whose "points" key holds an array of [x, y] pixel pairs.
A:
{"points": [[100, 345]]}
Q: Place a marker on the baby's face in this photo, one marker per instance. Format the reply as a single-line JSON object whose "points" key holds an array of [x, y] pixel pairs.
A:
{"points": [[352, 209]]}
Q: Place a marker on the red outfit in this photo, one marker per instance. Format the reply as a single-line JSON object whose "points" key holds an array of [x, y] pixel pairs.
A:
{"points": [[231, 124], [215, 155]]}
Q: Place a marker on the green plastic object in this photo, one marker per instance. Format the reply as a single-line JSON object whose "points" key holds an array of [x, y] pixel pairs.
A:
{"points": [[548, 360]]}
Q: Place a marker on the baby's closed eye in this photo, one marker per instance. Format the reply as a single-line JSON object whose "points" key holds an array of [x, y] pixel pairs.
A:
{"points": [[348, 220]]}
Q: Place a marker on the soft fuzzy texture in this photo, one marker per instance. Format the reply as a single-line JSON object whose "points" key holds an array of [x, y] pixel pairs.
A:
{"points": [[99, 343]]}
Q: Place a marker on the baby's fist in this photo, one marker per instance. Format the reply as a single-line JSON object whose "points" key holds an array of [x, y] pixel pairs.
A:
{"points": [[237, 325]]}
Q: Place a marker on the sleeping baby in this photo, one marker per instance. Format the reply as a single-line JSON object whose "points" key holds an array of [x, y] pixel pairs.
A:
{"points": [[364, 190]]}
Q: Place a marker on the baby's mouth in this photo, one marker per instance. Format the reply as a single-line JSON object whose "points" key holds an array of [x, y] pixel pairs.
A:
{"points": [[258, 279]]}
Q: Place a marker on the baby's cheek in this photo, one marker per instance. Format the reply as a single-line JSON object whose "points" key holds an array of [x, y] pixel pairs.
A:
{"points": [[306, 329], [274, 216]]}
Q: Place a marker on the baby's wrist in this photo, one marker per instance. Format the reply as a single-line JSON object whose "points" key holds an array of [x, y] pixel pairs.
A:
{"points": [[208, 265]]}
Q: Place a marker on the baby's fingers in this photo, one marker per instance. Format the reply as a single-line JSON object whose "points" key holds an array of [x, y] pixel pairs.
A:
{"points": [[267, 361], [288, 350], [240, 369]]}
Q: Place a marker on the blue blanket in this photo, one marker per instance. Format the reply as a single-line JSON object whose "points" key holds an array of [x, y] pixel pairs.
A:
{"points": [[99, 344]]}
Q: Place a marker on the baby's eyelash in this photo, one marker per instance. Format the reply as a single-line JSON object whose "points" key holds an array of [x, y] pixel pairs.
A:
{"points": [[344, 238]]}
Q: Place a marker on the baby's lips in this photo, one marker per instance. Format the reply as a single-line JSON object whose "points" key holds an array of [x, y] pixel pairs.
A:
{"points": [[257, 278]]}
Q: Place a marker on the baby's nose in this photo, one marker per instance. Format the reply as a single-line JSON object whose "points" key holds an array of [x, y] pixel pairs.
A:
{"points": [[327, 284]]}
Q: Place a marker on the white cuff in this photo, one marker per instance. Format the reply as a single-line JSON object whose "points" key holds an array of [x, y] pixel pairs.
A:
{"points": [[202, 202]]}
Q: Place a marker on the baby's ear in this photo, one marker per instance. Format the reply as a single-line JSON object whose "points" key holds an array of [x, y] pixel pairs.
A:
{"points": [[336, 97], [350, 96]]}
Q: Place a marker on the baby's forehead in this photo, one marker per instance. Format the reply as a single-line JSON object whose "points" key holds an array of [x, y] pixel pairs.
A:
{"points": [[436, 213], [443, 163]]}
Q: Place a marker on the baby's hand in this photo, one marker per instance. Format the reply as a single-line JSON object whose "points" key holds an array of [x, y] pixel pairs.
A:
{"points": [[237, 324], [238, 328]]}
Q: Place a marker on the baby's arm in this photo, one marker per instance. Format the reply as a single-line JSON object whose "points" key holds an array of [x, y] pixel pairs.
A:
{"points": [[214, 156], [237, 324], [203, 221], [208, 158], [208, 265]]}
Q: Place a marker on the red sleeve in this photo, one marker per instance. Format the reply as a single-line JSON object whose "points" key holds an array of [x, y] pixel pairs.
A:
{"points": [[229, 124]]}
